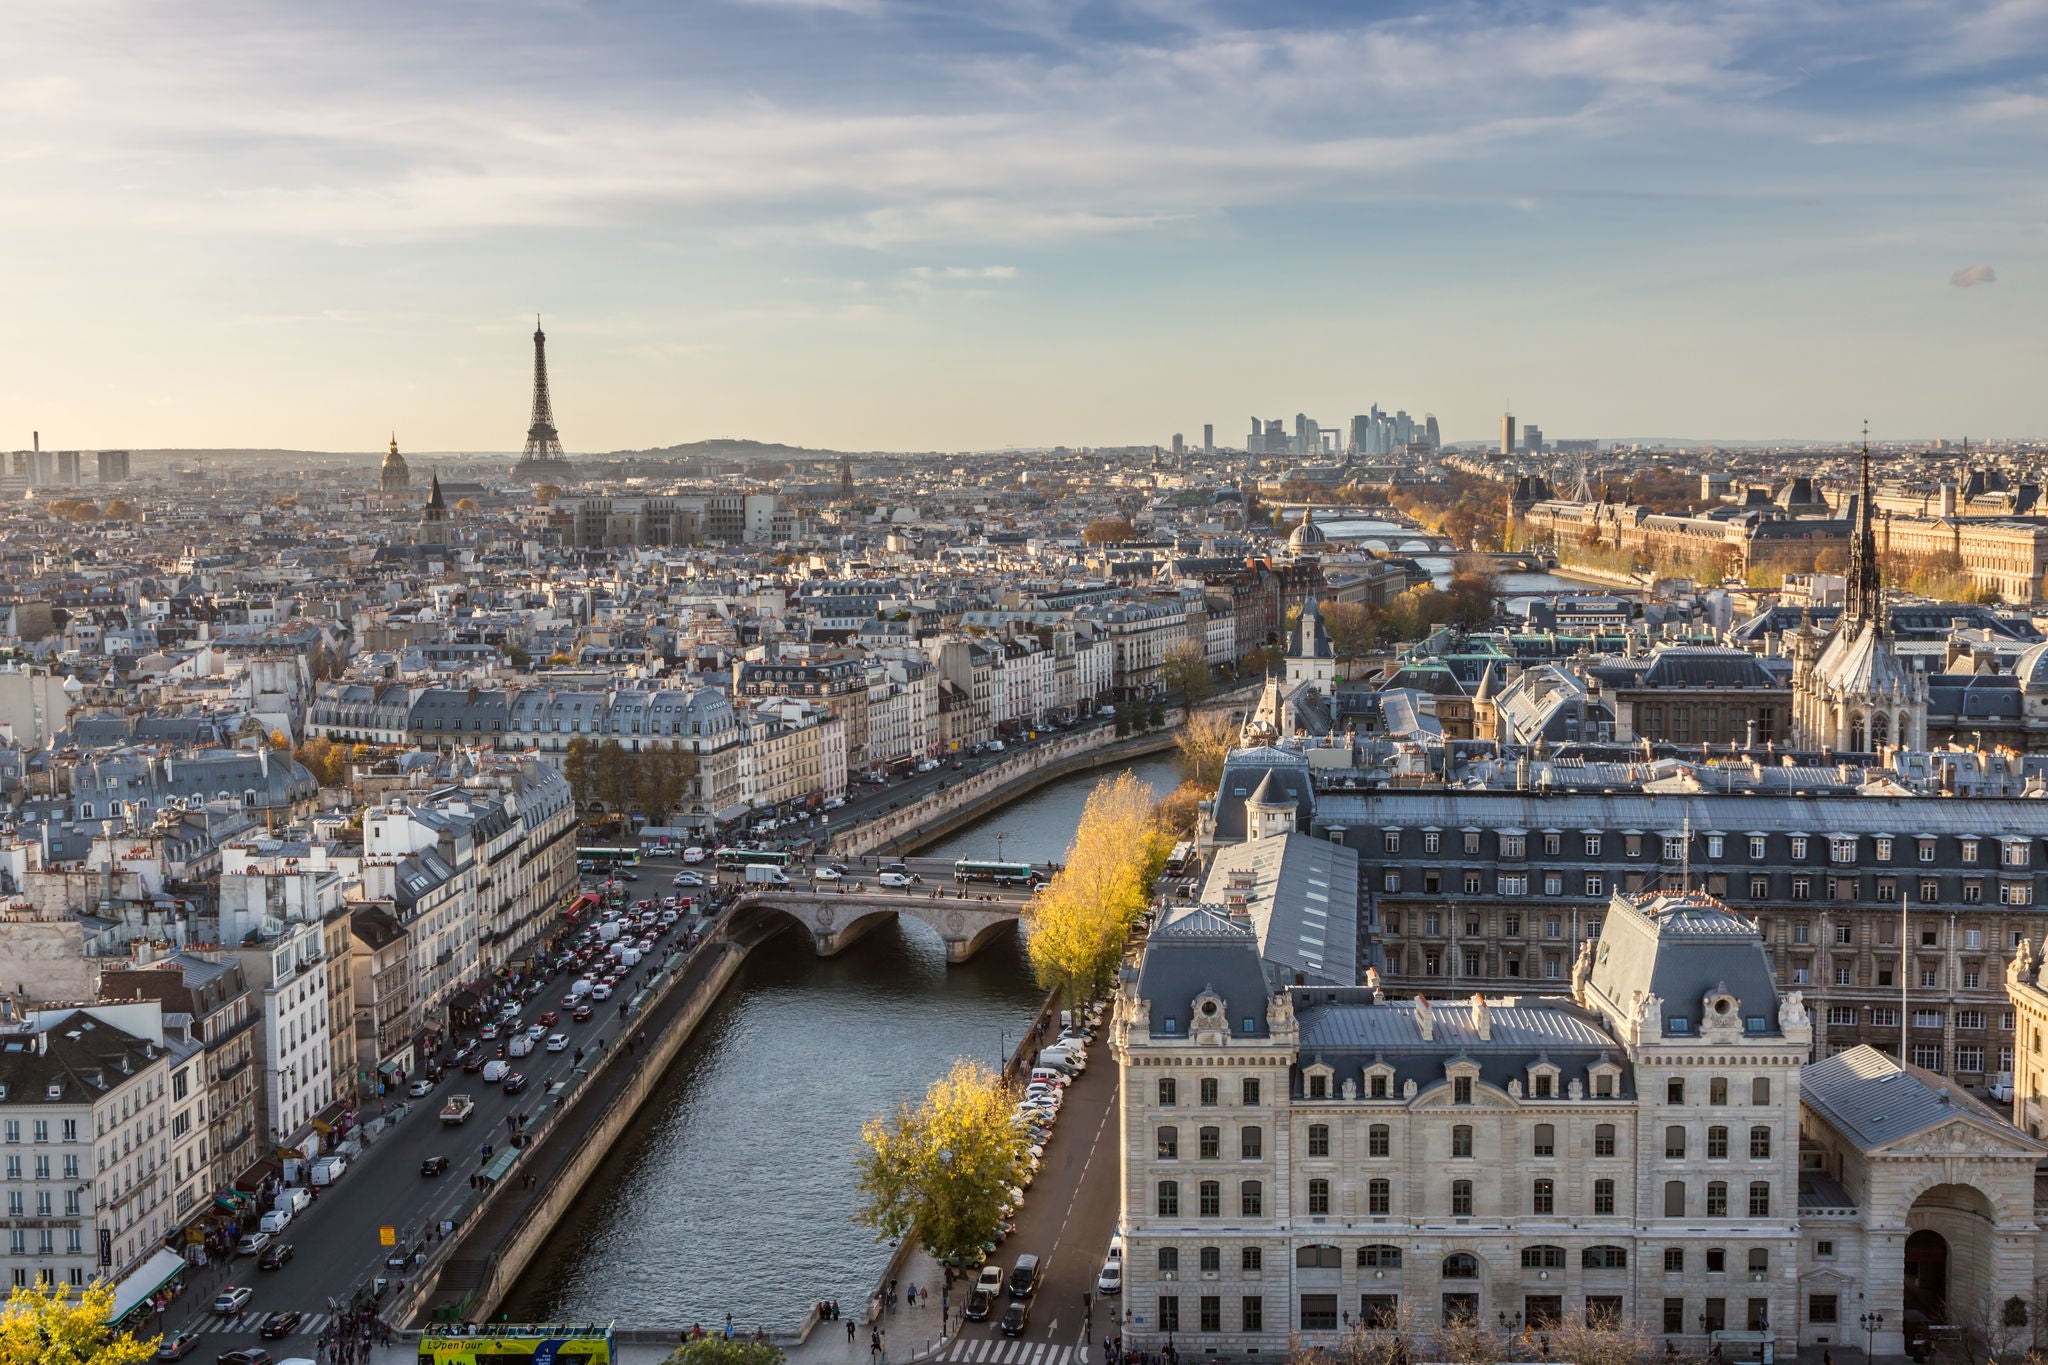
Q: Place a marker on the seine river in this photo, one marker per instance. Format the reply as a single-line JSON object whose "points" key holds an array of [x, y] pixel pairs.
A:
{"points": [[733, 1191]]}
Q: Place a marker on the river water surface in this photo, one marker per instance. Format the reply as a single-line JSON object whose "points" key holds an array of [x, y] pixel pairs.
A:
{"points": [[733, 1190]]}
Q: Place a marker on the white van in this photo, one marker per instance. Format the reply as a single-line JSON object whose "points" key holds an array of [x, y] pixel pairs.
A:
{"points": [[1049, 1076], [274, 1222], [329, 1169], [495, 1069], [293, 1200], [520, 1045]]}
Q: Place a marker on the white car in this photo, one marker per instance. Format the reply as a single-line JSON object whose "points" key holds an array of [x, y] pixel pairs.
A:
{"points": [[558, 1042], [991, 1281], [601, 991], [894, 879], [1111, 1280], [928, 765], [419, 1086], [826, 874]]}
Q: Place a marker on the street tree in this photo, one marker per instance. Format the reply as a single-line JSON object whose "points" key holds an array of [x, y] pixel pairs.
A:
{"points": [[713, 1349], [1109, 531], [1204, 741], [45, 1325], [1185, 671], [1077, 924], [944, 1167], [1354, 628]]}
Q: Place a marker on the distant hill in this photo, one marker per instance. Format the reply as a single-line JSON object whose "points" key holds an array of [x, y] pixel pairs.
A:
{"points": [[728, 448]]}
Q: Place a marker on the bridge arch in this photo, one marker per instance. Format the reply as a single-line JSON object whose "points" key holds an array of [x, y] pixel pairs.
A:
{"points": [[834, 920]]}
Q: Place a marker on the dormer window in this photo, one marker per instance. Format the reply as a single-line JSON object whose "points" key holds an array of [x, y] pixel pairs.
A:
{"points": [[1543, 1080], [1318, 1081], [1461, 1090], [1379, 1081]]}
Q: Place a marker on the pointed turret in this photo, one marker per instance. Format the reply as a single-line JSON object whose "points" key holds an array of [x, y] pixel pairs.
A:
{"points": [[437, 507]]}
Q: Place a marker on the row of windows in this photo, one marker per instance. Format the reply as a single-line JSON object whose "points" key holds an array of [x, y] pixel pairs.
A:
{"points": [[1800, 887], [39, 1130], [1379, 1140], [1379, 1198], [1840, 848], [1209, 1091], [1717, 1143]]}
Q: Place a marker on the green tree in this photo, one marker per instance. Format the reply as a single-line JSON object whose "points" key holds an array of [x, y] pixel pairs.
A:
{"points": [[944, 1167], [716, 1350], [44, 1325], [517, 657]]}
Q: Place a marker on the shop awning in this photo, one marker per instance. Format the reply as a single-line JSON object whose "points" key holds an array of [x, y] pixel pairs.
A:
{"points": [[152, 1275], [387, 1068], [322, 1127]]}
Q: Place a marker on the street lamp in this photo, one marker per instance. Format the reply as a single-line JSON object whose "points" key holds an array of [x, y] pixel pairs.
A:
{"points": [[1871, 1322]]}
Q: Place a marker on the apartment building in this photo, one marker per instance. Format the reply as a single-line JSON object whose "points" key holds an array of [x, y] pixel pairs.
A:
{"points": [[85, 1142]]}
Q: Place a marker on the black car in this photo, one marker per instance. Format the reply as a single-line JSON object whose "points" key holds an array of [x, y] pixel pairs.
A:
{"points": [[1015, 1318], [1024, 1278], [255, 1355], [978, 1305], [274, 1256], [434, 1165], [280, 1325], [514, 1083]]}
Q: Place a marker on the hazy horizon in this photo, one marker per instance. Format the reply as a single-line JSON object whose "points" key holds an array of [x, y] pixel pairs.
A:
{"points": [[913, 226]]}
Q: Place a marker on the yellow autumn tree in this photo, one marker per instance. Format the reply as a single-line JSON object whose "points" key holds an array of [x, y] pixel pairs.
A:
{"points": [[943, 1167], [1078, 923], [45, 1325]]}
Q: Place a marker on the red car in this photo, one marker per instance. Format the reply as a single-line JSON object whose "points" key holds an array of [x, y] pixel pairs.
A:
{"points": [[550, 1018]]}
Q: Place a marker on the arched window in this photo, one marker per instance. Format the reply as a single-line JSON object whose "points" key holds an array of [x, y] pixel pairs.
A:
{"points": [[1856, 733], [1880, 729], [1379, 1257], [1461, 1265], [1605, 1258], [1543, 1258]]}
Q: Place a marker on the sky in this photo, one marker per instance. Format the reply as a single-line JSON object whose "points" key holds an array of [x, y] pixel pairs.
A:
{"points": [[910, 225]]}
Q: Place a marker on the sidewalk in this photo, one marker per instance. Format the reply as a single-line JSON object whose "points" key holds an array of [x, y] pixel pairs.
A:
{"points": [[909, 1333]]}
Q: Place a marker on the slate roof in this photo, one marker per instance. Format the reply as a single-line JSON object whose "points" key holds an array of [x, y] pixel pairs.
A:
{"points": [[1348, 1031], [1680, 947], [1693, 667], [1303, 904], [1200, 950], [1873, 1101]]}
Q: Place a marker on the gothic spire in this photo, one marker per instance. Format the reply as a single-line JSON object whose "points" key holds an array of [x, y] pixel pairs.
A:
{"points": [[1866, 588]]}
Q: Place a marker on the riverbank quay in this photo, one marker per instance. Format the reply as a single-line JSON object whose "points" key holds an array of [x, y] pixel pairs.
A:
{"points": [[958, 804], [512, 1218]]}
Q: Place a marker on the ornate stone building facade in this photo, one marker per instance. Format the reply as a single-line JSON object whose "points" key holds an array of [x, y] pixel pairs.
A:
{"points": [[1303, 1160]]}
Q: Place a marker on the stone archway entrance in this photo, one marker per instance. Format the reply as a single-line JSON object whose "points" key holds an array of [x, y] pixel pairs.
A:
{"points": [[1927, 1275], [1951, 1274]]}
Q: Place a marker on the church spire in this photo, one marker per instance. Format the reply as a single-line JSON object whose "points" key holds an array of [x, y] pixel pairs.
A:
{"points": [[1866, 588]]}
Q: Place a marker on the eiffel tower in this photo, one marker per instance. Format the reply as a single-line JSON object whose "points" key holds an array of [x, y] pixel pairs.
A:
{"points": [[543, 460]]}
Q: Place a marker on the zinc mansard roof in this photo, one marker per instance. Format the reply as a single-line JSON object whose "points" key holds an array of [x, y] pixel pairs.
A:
{"points": [[1196, 951], [1682, 947], [1708, 811], [1349, 1032], [1873, 1101]]}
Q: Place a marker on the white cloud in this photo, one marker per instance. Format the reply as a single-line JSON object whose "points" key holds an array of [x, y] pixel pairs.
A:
{"points": [[1973, 275], [236, 121]]}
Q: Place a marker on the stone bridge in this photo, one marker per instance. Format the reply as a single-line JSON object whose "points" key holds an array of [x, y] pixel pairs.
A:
{"points": [[835, 919]]}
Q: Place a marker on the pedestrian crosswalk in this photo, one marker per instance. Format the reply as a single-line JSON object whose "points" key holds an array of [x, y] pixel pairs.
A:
{"points": [[1005, 1351], [245, 1324]]}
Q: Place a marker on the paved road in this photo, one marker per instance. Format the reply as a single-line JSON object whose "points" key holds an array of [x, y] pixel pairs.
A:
{"points": [[1069, 1214], [336, 1246]]}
